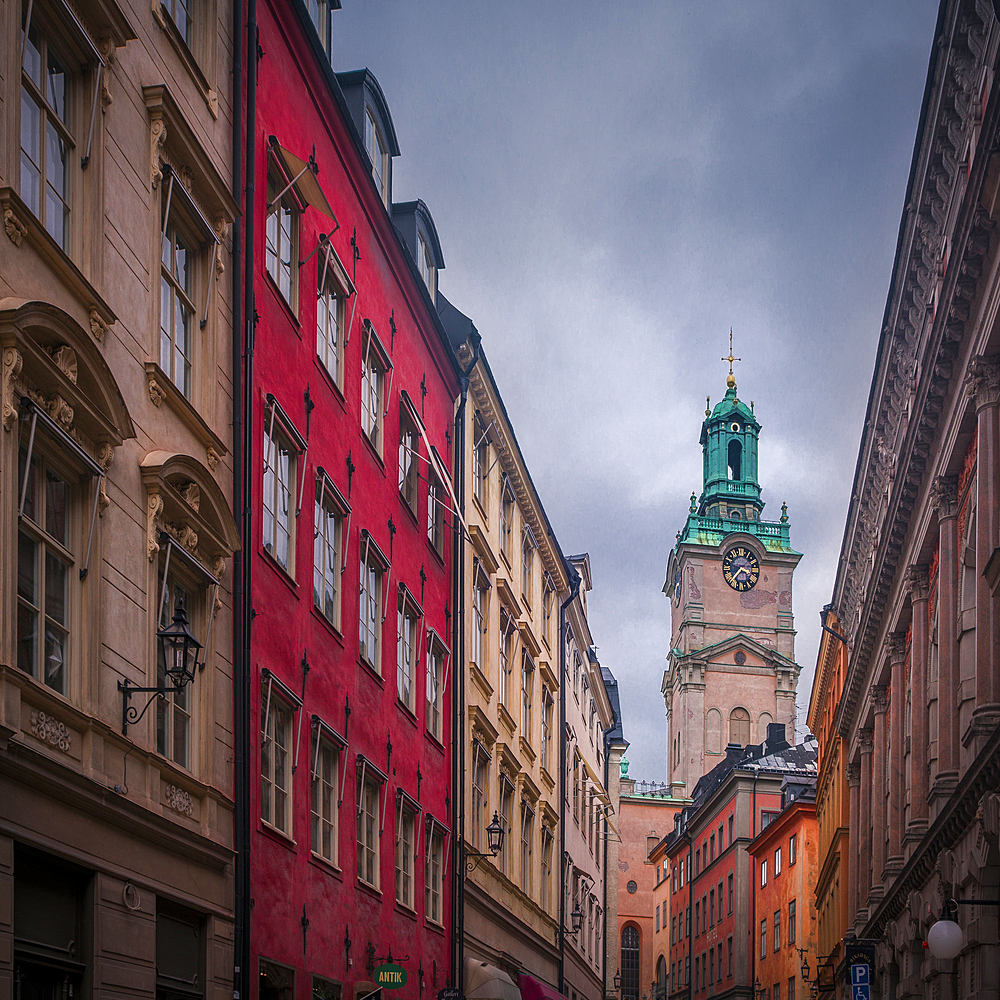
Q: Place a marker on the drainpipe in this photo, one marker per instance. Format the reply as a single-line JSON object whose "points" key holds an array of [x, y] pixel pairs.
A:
{"points": [[604, 867], [243, 333], [689, 918], [753, 885], [458, 686], [574, 590]]}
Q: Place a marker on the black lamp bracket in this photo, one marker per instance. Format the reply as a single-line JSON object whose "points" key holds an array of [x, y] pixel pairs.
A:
{"points": [[130, 714]]}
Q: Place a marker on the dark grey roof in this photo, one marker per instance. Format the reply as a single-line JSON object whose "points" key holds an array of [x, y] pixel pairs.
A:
{"points": [[457, 325], [405, 215], [616, 733], [355, 84]]}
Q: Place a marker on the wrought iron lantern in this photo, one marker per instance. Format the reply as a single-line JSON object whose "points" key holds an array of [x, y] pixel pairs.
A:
{"points": [[494, 835], [577, 917], [618, 981]]}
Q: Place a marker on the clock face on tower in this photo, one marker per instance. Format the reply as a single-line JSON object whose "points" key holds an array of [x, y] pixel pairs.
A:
{"points": [[740, 568]]}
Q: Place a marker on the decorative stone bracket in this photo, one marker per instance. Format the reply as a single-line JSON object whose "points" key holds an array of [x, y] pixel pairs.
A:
{"points": [[12, 362]]}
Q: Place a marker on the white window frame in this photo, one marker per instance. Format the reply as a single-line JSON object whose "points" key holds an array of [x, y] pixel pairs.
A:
{"points": [[378, 153], [326, 790], [407, 822], [276, 492], [275, 704], [436, 681], [505, 794], [527, 847], [527, 693], [409, 617], [373, 573], [528, 547], [371, 783], [333, 288], [434, 865], [409, 461], [329, 553], [376, 364], [282, 228], [480, 462], [548, 703], [480, 793]]}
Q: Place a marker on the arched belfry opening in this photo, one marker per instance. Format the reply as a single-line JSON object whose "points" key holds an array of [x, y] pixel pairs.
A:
{"points": [[735, 460]]}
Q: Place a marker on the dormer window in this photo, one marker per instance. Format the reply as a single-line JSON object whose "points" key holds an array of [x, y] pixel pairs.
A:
{"points": [[425, 262], [375, 146]]}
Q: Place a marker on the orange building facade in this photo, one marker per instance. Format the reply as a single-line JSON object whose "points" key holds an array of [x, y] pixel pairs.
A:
{"points": [[785, 864], [646, 815], [837, 790]]}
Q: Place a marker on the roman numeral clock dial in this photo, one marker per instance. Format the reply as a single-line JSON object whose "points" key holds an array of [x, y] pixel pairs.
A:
{"points": [[740, 568]]}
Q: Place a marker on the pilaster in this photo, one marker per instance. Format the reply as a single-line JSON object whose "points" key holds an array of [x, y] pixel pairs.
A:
{"points": [[864, 827], [880, 703], [897, 660], [917, 582], [854, 784]]}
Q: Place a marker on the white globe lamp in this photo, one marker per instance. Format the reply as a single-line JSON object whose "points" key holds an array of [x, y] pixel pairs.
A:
{"points": [[945, 939]]}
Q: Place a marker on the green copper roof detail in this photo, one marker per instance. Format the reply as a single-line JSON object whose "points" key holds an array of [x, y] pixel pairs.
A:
{"points": [[703, 529]]}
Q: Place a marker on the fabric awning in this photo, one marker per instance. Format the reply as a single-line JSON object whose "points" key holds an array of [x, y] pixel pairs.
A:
{"points": [[487, 982], [303, 173], [534, 989]]}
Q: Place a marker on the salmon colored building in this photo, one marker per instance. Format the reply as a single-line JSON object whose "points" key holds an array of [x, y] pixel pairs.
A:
{"points": [[646, 814], [785, 861]]}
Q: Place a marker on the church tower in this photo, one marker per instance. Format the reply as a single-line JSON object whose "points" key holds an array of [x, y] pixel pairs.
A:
{"points": [[731, 668]]}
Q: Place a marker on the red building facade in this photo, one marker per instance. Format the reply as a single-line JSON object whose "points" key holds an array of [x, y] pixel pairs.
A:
{"points": [[353, 395]]}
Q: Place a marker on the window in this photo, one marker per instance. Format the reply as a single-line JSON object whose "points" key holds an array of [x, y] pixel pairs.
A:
{"points": [[425, 262], [712, 848], [657, 918], [763, 938], [177, 308], [180, 950], [378, 153], [323, 800], [687, 921], [719, 897], [480, 794], [368, 826], [704, 914], [433, 863], [527, 692], [673, 930], [319, 14], [729, 956], [505, 814], [548, 598], [275, 764], [527, 562], [480, 462], [791, 921], [279, 477], [405, 827], [697, 918], [697, 972], [507, 520], [436, 655], [730, 830], [408, 455], [327, 546], [720, 838], [546, 884], [630, 964], [281, 236], [45, 560], [436, 507], [711, 967], [777, 930], [791, 988], [173, 710], [791, 849], [374, 367], [547, 709], [673, 877], [739, 726], [767, 818], [46, 141], [276, 982], [763, 872], [729, 894], [711, 908], [507, 630], [777, 862], [480, 616], [576, 786], [406, 651], [697, 861], [577, 664], [687, 969], [370, 630], [527, 839], [776, 992], [330, 302]]}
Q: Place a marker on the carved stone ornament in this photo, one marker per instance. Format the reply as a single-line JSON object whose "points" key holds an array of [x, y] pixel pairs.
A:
{"points": [[222, 231], [60, 411], [866, 741], [880, 699], [896, 644], [105, 455], [982, 382], [98, 328], [16, 230], [944, 496], [213, 458], [109, 53], [191, 494], [157, 136], [65, 358], [853, 775], [154, 507], [218, 567], [156, 394], [12, 362], [987, 828], [179, 800], [916, 582], [49, 730]]}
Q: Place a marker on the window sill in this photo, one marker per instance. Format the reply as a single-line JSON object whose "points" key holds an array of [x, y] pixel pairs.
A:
{"points": [[272, 832], [325, 866], [289, 309], [481, 504], [372, 450], [371, 671], [435, 741], [23, 220], [407, 911], [331, 382], [481, 682], [333, 629], [433, 925], [437, 553], [506, 718], [160, 388], [283, 573], [408, 713], [409, 510], [368, 888]]}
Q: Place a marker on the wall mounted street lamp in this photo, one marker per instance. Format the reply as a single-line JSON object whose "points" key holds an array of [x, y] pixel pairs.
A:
{"points": [[577, 917], [179, 650], [945, 939], [494, 841], [618, 982]]}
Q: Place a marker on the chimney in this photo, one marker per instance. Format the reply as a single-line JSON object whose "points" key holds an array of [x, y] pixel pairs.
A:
{"points": [[776, 737]]}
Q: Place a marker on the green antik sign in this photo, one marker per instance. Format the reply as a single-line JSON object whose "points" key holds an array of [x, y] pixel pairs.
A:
{"points": [[390, 977]]}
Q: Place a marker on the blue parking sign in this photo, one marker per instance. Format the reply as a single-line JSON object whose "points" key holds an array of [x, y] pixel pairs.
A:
{"points": [[859, 977], [861, 992]]}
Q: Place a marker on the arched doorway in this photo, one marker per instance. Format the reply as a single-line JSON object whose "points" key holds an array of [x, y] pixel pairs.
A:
{"points": [[630, 964]]}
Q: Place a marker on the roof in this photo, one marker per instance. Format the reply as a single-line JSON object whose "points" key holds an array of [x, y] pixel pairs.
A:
{"points": [[457, 325], [357, 82], [404, 217], [616, 733]]}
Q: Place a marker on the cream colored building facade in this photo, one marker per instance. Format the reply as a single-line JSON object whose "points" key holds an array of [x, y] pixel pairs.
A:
{"points": [[115, 329], [513, 574], [588, 717]]}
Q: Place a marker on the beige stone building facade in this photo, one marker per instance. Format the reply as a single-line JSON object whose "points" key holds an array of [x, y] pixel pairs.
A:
{"points": [[115, 495]]}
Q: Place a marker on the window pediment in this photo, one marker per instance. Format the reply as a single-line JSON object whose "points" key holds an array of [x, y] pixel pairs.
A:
{"points": [[185, 501], [57, 364]]}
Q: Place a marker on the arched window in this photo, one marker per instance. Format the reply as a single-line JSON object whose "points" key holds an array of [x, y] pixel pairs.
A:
{"points": [[739, 726], [735, 456], [630, 964], [713, 731], [661, 978]]}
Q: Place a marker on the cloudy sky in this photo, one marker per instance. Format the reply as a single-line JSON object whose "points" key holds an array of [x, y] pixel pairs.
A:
{"points": [[615, 185]]}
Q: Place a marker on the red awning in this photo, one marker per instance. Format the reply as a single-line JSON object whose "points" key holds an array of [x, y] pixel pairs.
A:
{"points": [[535, 989]]}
